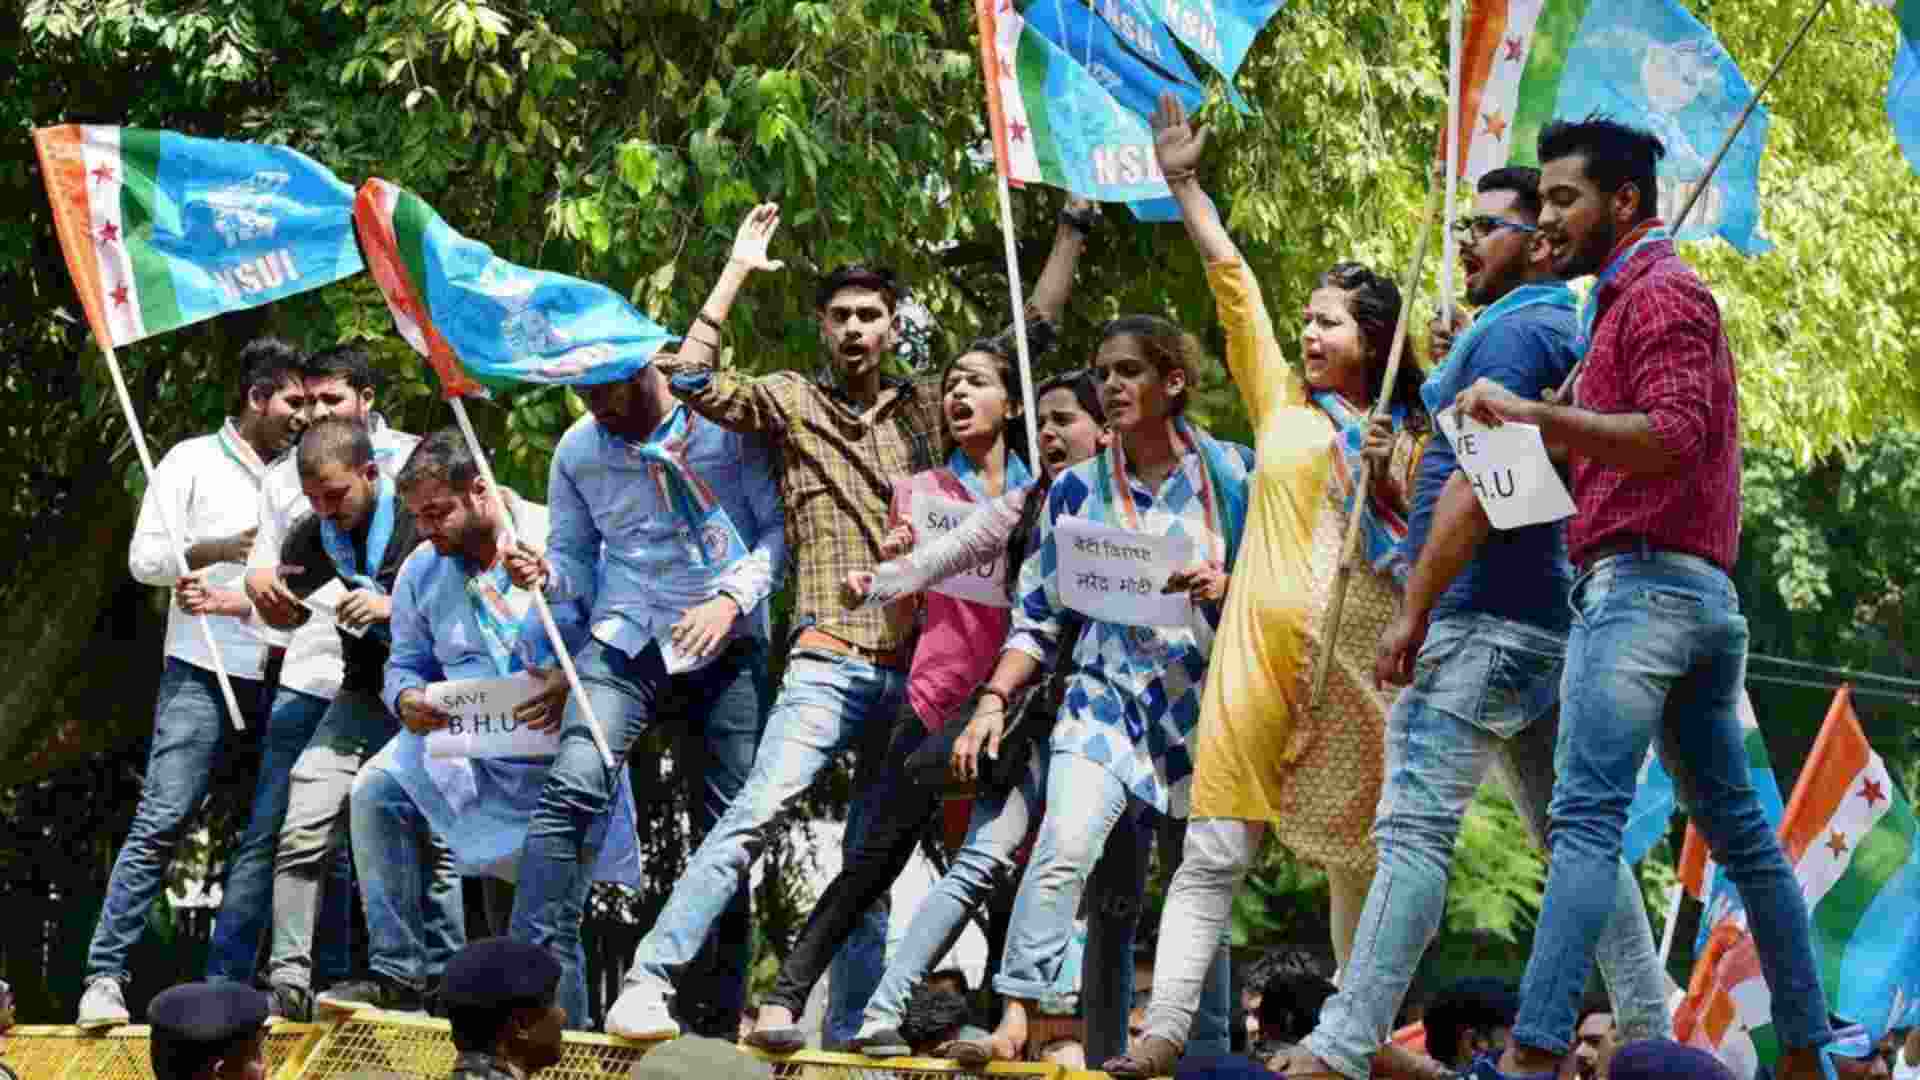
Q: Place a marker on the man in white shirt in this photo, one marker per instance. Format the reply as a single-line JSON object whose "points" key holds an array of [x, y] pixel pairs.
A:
{"points": [[338, 382], [208, 487]]}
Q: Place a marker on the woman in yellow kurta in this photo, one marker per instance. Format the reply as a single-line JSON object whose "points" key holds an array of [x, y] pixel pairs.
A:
{"points": [[1264, 760]]}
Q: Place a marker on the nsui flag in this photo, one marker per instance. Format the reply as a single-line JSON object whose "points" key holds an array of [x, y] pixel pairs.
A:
{"points": [[1054, 123], [161, 230], [1643, 62], [485, 323]]}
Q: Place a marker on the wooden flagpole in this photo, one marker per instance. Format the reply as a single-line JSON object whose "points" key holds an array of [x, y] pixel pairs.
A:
{"points": [[1448, 256], [173, 533], [539, 598], [1330, 634], [1726, 144]]}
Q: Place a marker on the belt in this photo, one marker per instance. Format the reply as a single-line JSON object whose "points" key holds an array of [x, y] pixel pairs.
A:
{"points": [[1641, 546], [820, 639]]}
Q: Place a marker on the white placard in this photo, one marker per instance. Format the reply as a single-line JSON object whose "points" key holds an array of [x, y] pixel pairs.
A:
{"points": [[1510, 470], [483, 725], [934, 516], [1114, 575], [324, 604]]}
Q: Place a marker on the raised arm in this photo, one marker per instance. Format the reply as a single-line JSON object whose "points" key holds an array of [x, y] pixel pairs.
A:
{"points": [[1050, 293], [736, 403], [1179, 148]]}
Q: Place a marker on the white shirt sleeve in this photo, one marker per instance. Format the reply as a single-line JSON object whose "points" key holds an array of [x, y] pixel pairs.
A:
{"points": [[150, 557]]}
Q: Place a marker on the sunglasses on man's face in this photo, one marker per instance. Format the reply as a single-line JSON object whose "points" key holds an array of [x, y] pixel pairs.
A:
{"points": [[1476, 229]]}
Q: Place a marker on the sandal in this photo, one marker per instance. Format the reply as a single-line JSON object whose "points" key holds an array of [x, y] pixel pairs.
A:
{"points": [[976, 1053], [785, 1039], [1309, 1066], [1151, 1056]]}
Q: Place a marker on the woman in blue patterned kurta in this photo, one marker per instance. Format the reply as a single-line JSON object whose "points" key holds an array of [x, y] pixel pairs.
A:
{"points": [[1120, 745]]}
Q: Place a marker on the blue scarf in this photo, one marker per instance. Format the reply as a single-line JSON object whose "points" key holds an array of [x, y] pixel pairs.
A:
{"points": [[1445, 382], [1381, 530], [1590, 309], [963, 470], [1227, 498], [490, 595], [716, 541], [346, 561]]}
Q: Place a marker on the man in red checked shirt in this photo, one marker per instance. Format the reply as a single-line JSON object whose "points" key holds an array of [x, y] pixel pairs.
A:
{"points": [[1658, 645]]}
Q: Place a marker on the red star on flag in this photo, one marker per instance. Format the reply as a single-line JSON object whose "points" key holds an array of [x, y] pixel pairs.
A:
{"points": [[109, 233], [1837, 843], [1871, 792], [119, 295], [1516, 49], [102, 174], [1017, 132], [1496, 124]]}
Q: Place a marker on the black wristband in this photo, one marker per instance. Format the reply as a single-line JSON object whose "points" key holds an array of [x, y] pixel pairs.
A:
{"points": [[703, 317], [1082, 221]]}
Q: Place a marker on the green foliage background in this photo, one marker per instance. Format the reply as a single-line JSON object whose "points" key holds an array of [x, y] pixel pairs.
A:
{"points": [[621, 140]]}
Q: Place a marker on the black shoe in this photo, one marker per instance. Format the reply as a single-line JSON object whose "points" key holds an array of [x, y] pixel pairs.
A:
{"points": [[291, 1003], [375, 992]]}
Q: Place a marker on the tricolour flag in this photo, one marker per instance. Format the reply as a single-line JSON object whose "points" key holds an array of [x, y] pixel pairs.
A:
{"points": [[1653, 804], [1643, 62], [485, 323], [1850, 835], [1053, 122], [1903, 89], [161, 230]]}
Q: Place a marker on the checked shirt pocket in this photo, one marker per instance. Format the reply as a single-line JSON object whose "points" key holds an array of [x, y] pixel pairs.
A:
{"points": [[1496, 688]]}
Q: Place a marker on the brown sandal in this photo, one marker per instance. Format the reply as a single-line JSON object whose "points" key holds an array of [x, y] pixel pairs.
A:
{"points": [[1151, 1056], [975, 1053]]}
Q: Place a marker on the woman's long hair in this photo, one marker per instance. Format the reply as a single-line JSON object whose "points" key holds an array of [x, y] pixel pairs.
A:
{"points": [[1374, 302], [1087, 393]]}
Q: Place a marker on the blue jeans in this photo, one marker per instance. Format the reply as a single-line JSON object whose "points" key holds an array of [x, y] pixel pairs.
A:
{"points": [[416, 916], [1094, 839], [1658, 651], [828, 703], [1482, 699], [246, 896], [354, 728], [190, 725], [563, 839]]}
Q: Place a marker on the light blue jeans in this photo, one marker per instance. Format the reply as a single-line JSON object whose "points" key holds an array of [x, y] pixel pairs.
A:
{"points": [[246, 897], [827, 703], [190, 725], [1094, 839], [416, 916], [1657, 656], [1482, 699]]}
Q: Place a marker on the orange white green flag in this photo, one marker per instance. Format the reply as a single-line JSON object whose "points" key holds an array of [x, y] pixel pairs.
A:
{"points": [[1850, 835], [161, 230]]}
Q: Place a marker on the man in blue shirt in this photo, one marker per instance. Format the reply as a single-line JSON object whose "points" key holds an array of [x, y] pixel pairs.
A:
{"points": [[455, 616], [670, 528], [1479, 644]]}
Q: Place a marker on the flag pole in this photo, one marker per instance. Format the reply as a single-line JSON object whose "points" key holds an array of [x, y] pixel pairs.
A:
{"points": [[539, 598], [1726, 144], [173, 533], [1014, 296], [1673, 921], [1330, 635], [1447, 253]]}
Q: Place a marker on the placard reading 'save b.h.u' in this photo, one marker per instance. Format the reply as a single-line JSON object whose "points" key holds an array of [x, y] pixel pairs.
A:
{"points": [[483, 724]]}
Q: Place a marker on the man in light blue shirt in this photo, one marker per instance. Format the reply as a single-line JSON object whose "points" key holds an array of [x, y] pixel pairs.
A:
{"points": [[417, 820], [671, 529]]}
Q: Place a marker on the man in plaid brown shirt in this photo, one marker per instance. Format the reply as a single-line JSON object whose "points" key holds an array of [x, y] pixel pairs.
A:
{"points": [[843, 439]]}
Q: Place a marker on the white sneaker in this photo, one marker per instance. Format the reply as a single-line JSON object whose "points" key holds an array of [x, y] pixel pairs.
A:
{"points": [[641, 1013], [104, 1005]]}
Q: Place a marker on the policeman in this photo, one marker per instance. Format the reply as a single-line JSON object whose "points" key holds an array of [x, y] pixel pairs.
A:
{"points": [[500, 997], [208, 1031]]}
